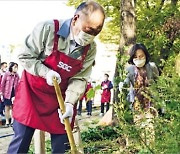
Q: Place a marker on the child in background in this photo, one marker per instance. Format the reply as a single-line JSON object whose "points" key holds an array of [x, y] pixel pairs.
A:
{"points": [[106, 87], [8, 88], [88, 101], [2, 72]]}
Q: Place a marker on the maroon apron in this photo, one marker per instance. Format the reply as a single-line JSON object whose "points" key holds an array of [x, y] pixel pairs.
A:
{"points": [[36, 102], [106, 94]]}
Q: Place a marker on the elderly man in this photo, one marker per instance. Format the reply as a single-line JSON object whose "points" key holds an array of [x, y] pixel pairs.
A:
{"points": [[61, 49]]}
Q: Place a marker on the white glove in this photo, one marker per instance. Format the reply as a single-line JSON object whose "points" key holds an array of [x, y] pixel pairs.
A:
{"points": [[68, 113], [50, 75], [121, 86]]}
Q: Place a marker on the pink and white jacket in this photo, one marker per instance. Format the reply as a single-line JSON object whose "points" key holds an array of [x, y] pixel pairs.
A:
{"points": [[7, 83]]}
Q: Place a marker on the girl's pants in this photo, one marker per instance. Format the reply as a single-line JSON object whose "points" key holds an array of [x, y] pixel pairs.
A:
{"points": [[102, 107], [23, 136], [80, 107], [89, 106]]}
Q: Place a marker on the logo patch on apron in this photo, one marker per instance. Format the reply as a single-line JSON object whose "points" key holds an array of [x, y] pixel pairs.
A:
{"points": [[64, 66]]}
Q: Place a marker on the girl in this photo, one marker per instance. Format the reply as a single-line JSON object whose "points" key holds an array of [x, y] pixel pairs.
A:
{"points": [[106, 87], [8, 87]]}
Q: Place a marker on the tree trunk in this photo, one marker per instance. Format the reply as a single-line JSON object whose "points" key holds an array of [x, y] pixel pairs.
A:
{"points": [[128, 27], [128, 32], [127, 37]]}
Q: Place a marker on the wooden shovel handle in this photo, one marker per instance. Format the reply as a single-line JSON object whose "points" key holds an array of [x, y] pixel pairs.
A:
{"points": [[66, 120]]}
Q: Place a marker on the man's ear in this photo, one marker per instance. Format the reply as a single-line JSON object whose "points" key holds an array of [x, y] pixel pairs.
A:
{"points": [[76, 16]]}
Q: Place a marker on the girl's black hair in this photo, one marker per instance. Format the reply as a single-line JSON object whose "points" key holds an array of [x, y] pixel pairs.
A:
{"points": [[133, 51], [3, 63], [107, 75], [11, 64]]}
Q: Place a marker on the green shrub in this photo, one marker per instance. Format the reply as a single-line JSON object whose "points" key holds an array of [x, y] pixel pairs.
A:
{"points": [[99, 133]]}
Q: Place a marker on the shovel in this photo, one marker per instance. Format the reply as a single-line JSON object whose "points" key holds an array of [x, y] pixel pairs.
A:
{"points": [[66, 120]]}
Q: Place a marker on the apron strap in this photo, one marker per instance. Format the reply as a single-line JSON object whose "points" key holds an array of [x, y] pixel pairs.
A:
{"points": [[56, 38], [86, 48]]}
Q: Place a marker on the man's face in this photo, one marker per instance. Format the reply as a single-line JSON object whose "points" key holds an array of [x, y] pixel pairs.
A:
{"points": [[91, 25]]}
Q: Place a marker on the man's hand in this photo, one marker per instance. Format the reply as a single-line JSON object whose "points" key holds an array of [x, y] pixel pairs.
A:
{"points": [[50, 75], [68, 113]]}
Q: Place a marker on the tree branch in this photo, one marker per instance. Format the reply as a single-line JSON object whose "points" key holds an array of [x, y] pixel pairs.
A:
{"points": [[161, 5]]}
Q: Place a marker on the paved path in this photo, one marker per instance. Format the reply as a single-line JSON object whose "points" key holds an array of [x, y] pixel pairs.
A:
{"points": [[5, 138], [84, 122]]}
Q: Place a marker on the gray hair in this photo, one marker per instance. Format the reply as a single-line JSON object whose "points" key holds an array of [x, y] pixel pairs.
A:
{"points": [[87, 8]]}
